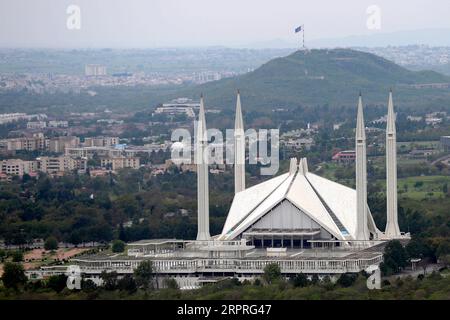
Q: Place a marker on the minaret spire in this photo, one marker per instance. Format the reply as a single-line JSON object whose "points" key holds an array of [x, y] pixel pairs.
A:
{"points": [[202, 176], [239, 148], [392, 228], [362, 232]]}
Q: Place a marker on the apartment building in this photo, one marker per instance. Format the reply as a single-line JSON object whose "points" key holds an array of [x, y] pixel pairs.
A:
{"points": [[36, 125], [11, 117], [18, 167], [120, 163], [95, 70], [36, 142], [89, 152], [60, 165], [101, 141], [347, 156], [59, 144], [58, 124]]}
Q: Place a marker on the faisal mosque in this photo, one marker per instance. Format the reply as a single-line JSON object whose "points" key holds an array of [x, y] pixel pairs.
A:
{"points": [[299, 220]]}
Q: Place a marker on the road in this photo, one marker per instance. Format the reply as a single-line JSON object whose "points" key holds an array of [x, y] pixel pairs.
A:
{"points": [[429, 269]]}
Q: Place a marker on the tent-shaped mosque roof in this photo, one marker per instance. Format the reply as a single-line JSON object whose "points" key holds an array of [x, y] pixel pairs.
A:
{"points": [[329, 204]]}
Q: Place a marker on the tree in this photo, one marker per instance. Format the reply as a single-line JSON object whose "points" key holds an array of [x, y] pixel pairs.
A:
{"points": [[315, 279], [2, 255], [300, 280], [13, 275], [395, 258], [127, 283], [51, 243], [171, 283], [418, 184], [272, 272], [57, 283], [443, 250], [17, 256], [122, 234], [347, 279], [109, 280], [118, 246], [418, 248], [144, 274], [88, 285]]}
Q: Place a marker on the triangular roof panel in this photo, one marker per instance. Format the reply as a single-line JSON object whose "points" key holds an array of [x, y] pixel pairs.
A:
{"points": [[246, 201]]}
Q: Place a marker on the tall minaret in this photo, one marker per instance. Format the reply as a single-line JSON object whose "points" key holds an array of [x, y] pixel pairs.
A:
{"points": [[392, 229], [362, 231], [202, 176], [239, 149]]}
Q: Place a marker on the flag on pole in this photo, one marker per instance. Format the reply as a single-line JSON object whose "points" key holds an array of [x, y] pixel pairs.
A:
{"points": [[298, 29]]}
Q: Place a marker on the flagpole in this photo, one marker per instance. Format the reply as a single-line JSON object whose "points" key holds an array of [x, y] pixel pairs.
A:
{"points": [[303, 28]]}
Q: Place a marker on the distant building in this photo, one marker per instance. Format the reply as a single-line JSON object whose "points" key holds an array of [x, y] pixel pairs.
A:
{"points": [[101, 141], [422, 153], [11, 117], [98, 173], [120, 163], [94, 70], [89, 152], [300, 143], [433, 121], [60, 165], [58, 124], [18, 167], [60, 144], [445, 143], [36, 125], [434, 118], [207, 76], [414, 118], [347, 156], [36, 142], [179, 106], [184, 166], [188, 111], [110, 121]]}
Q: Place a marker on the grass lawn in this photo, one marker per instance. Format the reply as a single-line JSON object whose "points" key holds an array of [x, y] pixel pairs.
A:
{"points": [[327, 170], [423, 187], [418, 144]]}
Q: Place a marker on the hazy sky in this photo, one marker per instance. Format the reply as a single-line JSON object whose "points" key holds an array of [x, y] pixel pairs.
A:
{"points": [[150, 23]]}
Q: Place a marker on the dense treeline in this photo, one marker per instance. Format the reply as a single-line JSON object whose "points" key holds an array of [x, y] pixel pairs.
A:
{"points": [[348, 286], [134, 205], [131, 206]]}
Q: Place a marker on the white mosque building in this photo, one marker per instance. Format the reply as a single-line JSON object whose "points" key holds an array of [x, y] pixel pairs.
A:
{"points": [[300, 207], [299, 220]]}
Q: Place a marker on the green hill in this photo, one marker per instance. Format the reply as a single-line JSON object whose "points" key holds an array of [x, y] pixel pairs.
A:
{"points": [[332, 77]]}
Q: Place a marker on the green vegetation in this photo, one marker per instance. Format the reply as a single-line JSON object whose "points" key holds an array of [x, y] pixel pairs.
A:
{"points": [[62, 208], [17, 256], [144, 274], [418, 188], [395, 258], [328, 78], [13, 275], [51, 243], [320, 77], [118, 246], [143, 283], [272, 273], [349, 286]]}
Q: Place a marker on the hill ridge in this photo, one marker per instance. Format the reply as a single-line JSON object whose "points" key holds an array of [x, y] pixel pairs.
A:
{"points": [[324, 76]]}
